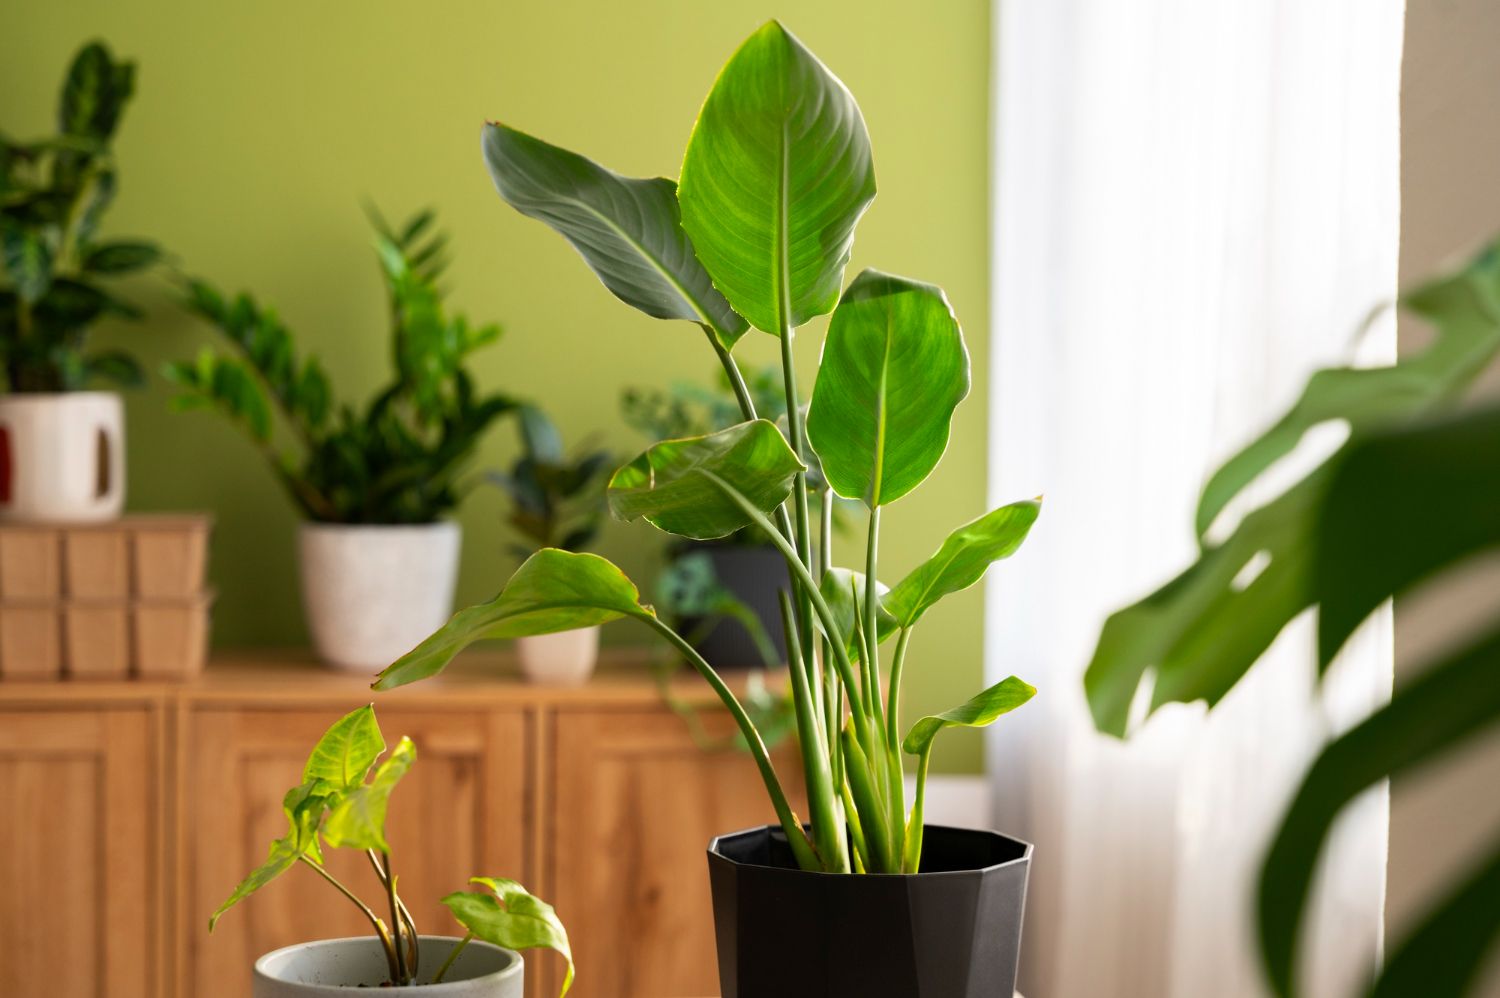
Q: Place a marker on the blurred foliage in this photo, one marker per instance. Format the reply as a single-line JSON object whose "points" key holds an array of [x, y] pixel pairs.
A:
{"points": [[557, 500]]}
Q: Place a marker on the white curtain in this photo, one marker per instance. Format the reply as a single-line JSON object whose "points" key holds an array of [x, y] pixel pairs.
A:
{"points": [[1196, 203]]}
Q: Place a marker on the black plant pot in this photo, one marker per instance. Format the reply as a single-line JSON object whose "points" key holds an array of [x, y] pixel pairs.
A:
{"points": [[753, 572], [950, 931]]}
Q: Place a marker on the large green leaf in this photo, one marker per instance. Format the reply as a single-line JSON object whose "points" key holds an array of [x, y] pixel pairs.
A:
{"points": [[776, 175], [978, 711], [357, 820], [511, 918], [552, 591], [1450, 702], [844, 592], [894, 368], [1399, 508], [28, 261], [628, 231], [963, 559], [670, 484], [1205, 628], [95, 93], [347, 750], [304, 807]]}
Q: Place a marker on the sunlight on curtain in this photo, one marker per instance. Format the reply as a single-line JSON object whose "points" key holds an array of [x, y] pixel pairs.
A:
{"points": [[1196, 204]]}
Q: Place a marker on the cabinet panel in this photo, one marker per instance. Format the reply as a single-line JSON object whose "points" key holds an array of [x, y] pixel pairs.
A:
{"points": [[634, 804], [460, 812], [79, 816]]}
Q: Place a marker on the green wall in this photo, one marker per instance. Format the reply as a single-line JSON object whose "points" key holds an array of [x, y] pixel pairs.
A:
{"points": [[257, 127]]}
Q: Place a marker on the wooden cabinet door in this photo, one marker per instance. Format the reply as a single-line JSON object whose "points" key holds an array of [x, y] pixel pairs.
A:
{"points": [[80, 909], [634, 803], [460, 812]]}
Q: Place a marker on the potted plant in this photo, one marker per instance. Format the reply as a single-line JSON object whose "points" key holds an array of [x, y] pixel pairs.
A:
{"points": [[62, 447], [342, 803], [776, 176], [378, 561], [557, 501]]}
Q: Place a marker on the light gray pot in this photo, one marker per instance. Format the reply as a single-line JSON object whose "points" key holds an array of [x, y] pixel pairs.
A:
{"points": [[346, 966]]}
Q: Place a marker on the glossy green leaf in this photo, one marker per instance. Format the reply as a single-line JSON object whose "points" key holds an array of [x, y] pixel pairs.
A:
{"points": [[357, 821], [1400, 507], [844, 592], [628, 231], [95, 93], [28, 261], [347, 750], [894, 368], [963, 559], [121, 257], [511, 918], [304, 807], [1205, 628], [552, 591], [978, 711], [776, 175], [668, 484], [1443, 706]]}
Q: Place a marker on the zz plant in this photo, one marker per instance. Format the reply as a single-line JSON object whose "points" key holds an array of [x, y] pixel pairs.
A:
{"points": [[342, 803], [777, 173]]}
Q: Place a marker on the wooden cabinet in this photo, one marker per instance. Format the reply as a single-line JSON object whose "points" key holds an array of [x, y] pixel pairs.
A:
{"points": [[129, 811], [80, 860]]}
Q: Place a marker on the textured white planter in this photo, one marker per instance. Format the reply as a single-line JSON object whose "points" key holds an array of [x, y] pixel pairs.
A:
{"points": [[372, 593], [62, 457], [352, 966], [563, 659]]}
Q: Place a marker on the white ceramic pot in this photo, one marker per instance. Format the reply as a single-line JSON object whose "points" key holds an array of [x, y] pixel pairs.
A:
{"points": [[565, 658], [62, 457], [352, 966], [373, 592]]}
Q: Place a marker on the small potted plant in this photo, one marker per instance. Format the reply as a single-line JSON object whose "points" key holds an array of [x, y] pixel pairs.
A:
{"points": [[62, 447], [556, 501], [777, 174], [342, 803], [378, 560]]}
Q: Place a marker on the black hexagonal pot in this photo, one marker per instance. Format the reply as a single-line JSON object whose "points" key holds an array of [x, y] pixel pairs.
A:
{"points": [[951, 931]]}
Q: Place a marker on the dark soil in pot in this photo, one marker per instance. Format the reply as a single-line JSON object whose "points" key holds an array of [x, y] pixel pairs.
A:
{"points": [[950, 931]]}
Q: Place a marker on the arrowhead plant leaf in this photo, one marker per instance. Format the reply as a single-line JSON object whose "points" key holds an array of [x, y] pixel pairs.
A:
{"points": [[552, 591], [978, 711], [511, 918], [667, 484], [304, 807], [894, 369], [776, 175], [357, 821], [629, 231], [347, 750], [962, 560]]}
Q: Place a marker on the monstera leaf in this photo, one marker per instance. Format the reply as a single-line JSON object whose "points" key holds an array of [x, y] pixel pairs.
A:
{"points": [[628, 231], [894, 369], [698, 487], [776, 175]]}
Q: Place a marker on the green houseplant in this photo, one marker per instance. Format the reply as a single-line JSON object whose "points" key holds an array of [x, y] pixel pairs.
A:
{"points": [[54, 193], [378, 561], [777, 173], [1409, 494], [342, 803]]}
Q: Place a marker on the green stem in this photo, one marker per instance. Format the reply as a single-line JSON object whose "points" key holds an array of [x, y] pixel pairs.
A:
{"points": [[380, 930], [801, 574], [799, 488], [912, 861], [856, 830], [390, 891], [736, 379], [862, 788], [893, 699], [452, 955], [807, 857], [828, 831], [413, 949]]}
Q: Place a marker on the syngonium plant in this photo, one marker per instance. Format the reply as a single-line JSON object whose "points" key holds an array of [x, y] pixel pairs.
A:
{"points": [[342, 803], [757, 234]]}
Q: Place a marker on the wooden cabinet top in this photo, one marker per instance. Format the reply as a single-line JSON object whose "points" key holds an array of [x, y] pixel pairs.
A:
{"points": [[296, 678]]}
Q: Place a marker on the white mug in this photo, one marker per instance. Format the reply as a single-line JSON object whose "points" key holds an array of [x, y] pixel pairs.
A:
{"points": [[62, 457]]}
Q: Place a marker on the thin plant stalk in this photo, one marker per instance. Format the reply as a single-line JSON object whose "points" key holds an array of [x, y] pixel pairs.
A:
{"points": [[390, 890], [380, 929], [828, 833], [452, 955], [413, 949]]}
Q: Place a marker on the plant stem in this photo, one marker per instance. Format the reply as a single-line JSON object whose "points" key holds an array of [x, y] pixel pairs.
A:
{"points": [[893, 700], [736, 379], [862, 788], [912, 861], [828, 831], [807, 857], [799, 489], [390, 890], [452, 955], [413, 949], [872, 636], [380, 930]]}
